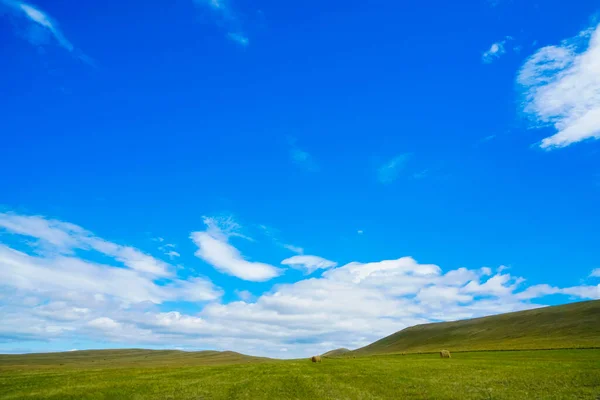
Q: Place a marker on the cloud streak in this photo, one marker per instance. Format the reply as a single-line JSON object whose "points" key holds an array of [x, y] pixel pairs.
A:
{"points": [[390, 171], [560, 88], [40, 26], [226, 17]]}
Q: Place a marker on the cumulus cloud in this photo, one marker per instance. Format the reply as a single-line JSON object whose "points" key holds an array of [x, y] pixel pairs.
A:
{"points": [[53, 295], [309, 264], [561, 88], [389, 172], [215, 249]]}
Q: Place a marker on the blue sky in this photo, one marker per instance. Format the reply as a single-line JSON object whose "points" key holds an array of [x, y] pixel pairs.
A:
{"points": [[287, 178]]}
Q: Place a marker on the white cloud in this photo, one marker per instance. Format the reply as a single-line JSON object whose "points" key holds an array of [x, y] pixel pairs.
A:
{"points": [[244, 295], [292, 248], [390, 171], [561, 88], [172, 254], [308, 263], [497, 49], [595, 273], [40, 27], [300, 157], [360, 232], [215, 249], [56, 271], [239, 38], [105, 324], [63, 238], [494, 52], [55, 296], [226, 17], [273, 234], [167, 248]]}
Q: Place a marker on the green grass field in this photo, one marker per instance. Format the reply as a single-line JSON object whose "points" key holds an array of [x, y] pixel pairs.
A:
{"points": [[554, 374], [377, 371]]}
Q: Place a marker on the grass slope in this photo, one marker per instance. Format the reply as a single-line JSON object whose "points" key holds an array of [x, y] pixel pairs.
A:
{"points": [[557, 374], [336, 352], [125, 358], [575, 325]]}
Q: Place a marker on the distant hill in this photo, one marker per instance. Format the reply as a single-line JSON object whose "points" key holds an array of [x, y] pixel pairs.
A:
{"points": [[128, 357], [575, 325], [336, 352]]}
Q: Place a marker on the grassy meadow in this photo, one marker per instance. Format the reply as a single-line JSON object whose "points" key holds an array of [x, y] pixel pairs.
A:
{"points": [[137, 374]]}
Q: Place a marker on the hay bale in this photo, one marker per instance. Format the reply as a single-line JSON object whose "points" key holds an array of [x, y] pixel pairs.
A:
{"points": [[445, 354], [316, 359]]}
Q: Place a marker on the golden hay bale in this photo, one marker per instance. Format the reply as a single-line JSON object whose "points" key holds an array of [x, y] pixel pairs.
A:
{"points": [[445, 354], [316, 359]]}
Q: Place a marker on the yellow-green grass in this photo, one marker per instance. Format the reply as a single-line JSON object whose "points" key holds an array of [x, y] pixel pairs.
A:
{"points": [[575, 325], [554, 374]]}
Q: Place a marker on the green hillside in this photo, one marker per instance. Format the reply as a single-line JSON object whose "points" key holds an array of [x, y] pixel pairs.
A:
{"points": [[336, 352], [126, 357], [575, 325]]}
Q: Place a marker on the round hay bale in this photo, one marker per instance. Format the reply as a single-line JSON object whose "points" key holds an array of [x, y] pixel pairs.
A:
{"points": [[315, 359], [445, 354]]}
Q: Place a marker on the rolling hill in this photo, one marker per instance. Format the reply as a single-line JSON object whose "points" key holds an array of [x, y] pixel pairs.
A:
{"points": [[575, 325], [336, 352], [128, 358]]}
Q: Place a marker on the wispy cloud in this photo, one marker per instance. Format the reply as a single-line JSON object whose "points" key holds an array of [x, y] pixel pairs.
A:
{"points": [[215, 249], [495, 51], [239, 38], [300, 157], [292, 248], [227, 18], [273, 234], [561, 88], [309, 264], [487, 138], [422, 174], [167, 249], [41, 28], [389, 172], [59, 271], [595, 273]]}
